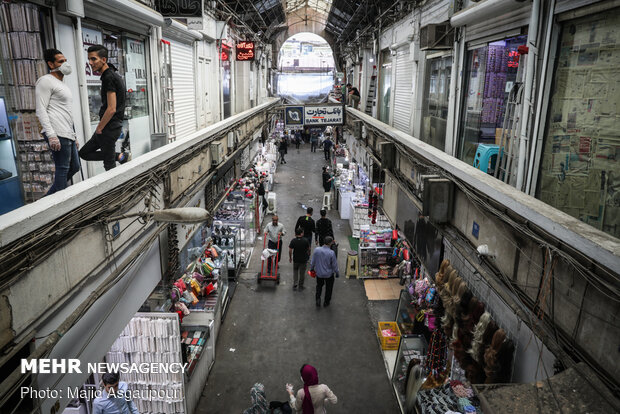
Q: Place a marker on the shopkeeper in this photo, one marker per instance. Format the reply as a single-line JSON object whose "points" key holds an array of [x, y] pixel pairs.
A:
{"points": [[274, 233]]}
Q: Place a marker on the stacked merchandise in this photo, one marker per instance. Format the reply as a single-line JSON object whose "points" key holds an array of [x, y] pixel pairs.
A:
{"points": [[22, 65], [197, 289], [454, 397], [152, 338], [383, 254], [193, 342]]}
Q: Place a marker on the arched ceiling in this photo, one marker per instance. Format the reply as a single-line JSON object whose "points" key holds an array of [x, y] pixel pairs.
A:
{"points": [[340, 22]]}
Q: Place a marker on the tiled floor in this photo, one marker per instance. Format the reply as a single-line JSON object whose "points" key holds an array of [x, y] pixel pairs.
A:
{"points": [[382, 289]]}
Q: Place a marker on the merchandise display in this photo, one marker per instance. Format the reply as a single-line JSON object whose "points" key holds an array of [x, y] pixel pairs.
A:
{"points": [[152, 337], [193, 342], [381, 256], [410, 348]]}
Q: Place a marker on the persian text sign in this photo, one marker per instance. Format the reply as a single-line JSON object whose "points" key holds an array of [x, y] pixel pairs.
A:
{"points": [[179, 8], [245, 51], [324, 115]]}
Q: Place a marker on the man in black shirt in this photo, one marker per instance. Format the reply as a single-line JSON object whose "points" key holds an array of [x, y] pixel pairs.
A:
{"points": [[327, 180], [307, 224], [354, 95], [327, 148], [261, 193], [323, 228], [102, 145], [298, 254]]}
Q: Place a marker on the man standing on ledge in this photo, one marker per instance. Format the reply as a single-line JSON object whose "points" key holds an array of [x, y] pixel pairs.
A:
{"points": [[325, 265], [102, 145]]}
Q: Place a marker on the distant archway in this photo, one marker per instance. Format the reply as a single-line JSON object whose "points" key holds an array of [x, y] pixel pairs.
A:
{"points": [[306, 68]]}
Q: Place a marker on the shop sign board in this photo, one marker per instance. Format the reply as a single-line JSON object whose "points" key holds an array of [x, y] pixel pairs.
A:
{"points": [[294, 117], [195, 23], [244, 51], [179, 8], [324, 115]]}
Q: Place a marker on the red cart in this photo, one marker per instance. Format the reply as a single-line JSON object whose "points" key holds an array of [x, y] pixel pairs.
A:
{"points": [[264, 274]]}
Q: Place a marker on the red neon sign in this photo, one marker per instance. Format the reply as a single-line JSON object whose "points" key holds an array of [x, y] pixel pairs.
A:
{"points": [[225, 53], [513, 59], [245, 51]]}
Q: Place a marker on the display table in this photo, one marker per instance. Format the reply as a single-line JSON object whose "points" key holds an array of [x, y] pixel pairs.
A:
{"points": [[344, 203]]}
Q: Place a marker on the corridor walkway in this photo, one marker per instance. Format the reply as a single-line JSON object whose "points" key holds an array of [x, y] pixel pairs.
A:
{"points": [[270, 331]]}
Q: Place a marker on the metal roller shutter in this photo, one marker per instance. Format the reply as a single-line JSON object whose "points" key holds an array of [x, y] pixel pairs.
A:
{"points": [[184, 88], [509, 24], [403, 91]]}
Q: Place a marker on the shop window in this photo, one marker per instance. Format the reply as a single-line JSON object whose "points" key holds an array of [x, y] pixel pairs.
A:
{"points": [[435, 110], [579, 172], [490, 73], [385, 88]]}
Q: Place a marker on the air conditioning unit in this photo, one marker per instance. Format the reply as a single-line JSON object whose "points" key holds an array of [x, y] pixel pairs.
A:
{"points": [[231, 139], [217, 153], [438, 200], [74, 8], [436, 36], [388, 155]]}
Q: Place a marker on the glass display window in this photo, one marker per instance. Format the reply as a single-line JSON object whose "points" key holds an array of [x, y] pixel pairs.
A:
{"points": [[490, 72], [385, 88], [435, 110], [579, 171]]}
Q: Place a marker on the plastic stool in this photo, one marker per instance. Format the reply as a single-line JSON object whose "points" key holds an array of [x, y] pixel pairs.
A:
{"points": [[352, 264], [327, 201]]}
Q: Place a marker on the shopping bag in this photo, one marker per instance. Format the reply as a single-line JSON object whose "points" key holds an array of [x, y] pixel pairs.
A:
{"points": [[311, 273]]}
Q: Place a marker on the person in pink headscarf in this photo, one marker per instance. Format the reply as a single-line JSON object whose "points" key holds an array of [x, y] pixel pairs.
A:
{"points": [[311, 399]]}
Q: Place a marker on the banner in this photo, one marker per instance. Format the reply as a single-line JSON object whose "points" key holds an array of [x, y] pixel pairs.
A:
{"points": [[324, 115]]}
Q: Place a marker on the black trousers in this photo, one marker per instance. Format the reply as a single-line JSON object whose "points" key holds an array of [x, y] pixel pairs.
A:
{"points": [[329, 285], [102, 147]]}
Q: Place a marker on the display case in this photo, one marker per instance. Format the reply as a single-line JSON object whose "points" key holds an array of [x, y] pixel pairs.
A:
{"points": [[411, 347], [226, 237], [193, 344], [406, 314]]}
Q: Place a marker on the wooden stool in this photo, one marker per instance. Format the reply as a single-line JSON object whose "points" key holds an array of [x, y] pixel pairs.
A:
{"points": [[352, 264], [327, 201]]}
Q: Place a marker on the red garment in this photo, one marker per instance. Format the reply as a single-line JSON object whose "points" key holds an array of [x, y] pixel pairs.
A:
{"points": [[310, 377]]}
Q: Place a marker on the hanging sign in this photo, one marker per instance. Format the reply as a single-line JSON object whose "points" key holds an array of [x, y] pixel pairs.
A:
{"points": [[179, 8], [324, 115], [245, 51], [294, 117]]}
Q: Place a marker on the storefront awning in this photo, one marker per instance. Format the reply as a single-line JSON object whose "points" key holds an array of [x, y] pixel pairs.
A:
{"points": [[132, 8]]}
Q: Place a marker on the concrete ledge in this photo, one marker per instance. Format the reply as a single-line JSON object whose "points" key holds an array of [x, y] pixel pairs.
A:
{"points": [[601, 247], [28, 218]]}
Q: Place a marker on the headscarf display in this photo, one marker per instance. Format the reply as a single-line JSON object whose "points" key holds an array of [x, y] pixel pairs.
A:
{"points": [[259, 401], [310, 377]]}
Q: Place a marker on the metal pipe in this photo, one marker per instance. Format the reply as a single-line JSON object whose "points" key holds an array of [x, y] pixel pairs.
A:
{"points": [[83, 87], [541, 91], [532, 42]]}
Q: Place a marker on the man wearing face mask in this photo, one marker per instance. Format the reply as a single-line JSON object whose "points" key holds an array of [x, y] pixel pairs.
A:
{"points": [[102, 145], [54, 105]]}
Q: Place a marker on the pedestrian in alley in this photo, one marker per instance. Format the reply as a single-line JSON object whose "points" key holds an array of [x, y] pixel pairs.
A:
{"points": [[327, 148], [102, 145], [259, 400], [325, 265], [323, 228], [54, 104], [327, 180], [282, 149], [261, 192], [314, 141], [274, 233], [298, 254], [297, 139], [115, 398], [306, 223], [311, 399]]}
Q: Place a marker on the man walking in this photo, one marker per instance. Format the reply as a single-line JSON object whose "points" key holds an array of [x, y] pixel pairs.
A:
{"points": [[306, 223], [274, 233], [298, 254], [325, 265], [282, 148], [314, 140], [323, 228], [54, 104], [261, 192], [102, 145], [327, 147]]}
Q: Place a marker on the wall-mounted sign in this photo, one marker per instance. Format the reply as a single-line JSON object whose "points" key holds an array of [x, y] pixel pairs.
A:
{"points": [[195, 23], [245, 51], [179, 8], [293, 117], [225, 53], [324, 115]]}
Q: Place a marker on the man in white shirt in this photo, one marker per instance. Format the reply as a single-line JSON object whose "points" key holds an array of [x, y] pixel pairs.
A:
{"points": [[274, 233], [54, 105]]}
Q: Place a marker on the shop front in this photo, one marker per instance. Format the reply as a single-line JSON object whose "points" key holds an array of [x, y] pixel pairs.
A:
{"points": [[436, 100]]}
